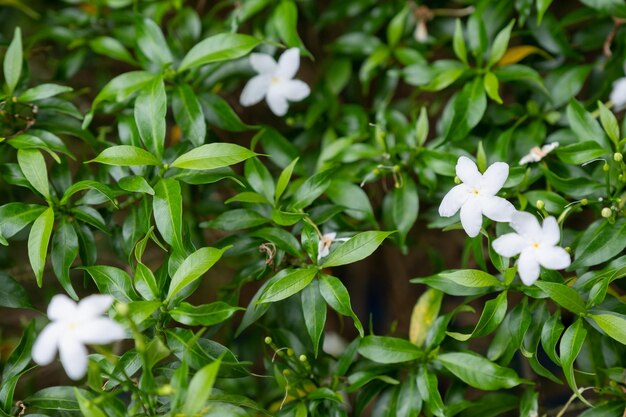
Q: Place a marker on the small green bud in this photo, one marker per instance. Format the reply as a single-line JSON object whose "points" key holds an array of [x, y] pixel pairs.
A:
{"points": [[606, 212], [122, 309], [584, 202], [302, 358], [166, 389], [290, 352], [540, 204], [457, 180], [568, 249], [605, 167], [618, 157], [268, 340], [376, 171], [286, 372], [396, 168]]}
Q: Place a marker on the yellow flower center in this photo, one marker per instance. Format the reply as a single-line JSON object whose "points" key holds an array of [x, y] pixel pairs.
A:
{"points": [[535, 245], [476, 191], [275, 80]]}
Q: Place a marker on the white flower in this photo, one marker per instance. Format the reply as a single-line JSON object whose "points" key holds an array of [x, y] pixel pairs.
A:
{"points": [[477, 195], [275, 81], [618, 95], [334, 344], [536, 154], [72, 326], [323, 246], [536, 245]]}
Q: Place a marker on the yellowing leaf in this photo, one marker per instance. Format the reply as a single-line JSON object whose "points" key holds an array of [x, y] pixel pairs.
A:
{"points": [[424, 314], [516, 53]]}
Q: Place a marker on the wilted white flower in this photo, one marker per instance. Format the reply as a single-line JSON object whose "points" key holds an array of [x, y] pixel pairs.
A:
{"points": [[72, 326], [323, 246], [476, 196], [618, 95], [536, 245], [536, 154], [275, 81]]}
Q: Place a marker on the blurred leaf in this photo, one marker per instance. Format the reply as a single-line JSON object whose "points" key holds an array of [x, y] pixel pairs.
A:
{"points": [[285, 21], [221, 47], [42, 91], [500, 43], [200, 388], [111, 47], [64, 252], [13, 61]]}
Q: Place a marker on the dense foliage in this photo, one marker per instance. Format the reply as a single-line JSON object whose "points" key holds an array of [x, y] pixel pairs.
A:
{"points": [[207, 233]]}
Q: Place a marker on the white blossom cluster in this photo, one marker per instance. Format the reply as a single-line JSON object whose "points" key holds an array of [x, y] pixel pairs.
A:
{"points": [[536, 245]]}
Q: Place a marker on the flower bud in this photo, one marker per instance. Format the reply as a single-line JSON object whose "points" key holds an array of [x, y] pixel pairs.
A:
{"points": [[166, 389], [457, 180], [286, 372], [540, 204], [605, 167], [606, 212], [290, 352], [268, 340], [122, 309], [618, 157], [302, 358], [584, 202]]}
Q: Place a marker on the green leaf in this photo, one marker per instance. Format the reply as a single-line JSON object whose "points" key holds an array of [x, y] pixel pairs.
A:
{"points": [[472, 278], [13, 62], [609, 123], [479, 372], [580, 152], [584, 125], [500, 44], [42, 91], [565, 296], [237, 219], [87, 408], [113, 281], [491, 84], [311, 189], [189, 115], [192, 268], [135, 184], [150, 110], [404, 208], [338, 298], [283, 179], [542, 7], [220, 114], [123, 86], [203, 315], [33, 166], [64, 252], [125, 155], [291, 283], [384, 349], [20, 357], [111, 47], [200, 388], [550, 334], [259, 178], [281, 238], [565, 82], [152, 43], [468, 109], [458, 42], [57, 398], [221, 47], [38, 241], [613, 325], [358, 247], [213, 155], [15, 216], [490, 319], [314, 312], [428, 387], [285, 21], [79, 186], [423, 315], [12, 294], [145, 282], [570, 346], [167, 208], [396, 27], [599, 243]]}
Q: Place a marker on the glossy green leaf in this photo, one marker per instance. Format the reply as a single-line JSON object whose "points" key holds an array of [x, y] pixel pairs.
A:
{"points": [[167, 208], [126, 155], [135, 184], [200, 388], [500, 43], [15, 216], [259, 178], [43, 91], [479, 372], [384, 349], [192, 268], [490, 318], [584, 125], [599, 243], [221, 47], [203, 315], [356, 248], [291, 283], [150, 110], [580, 152], [111, 47], [284, 178], [614, 325], [152, 43], [13, 61], [286, 22], [113, 281], [458, 42], [428, 387], [570, 346], [38, 241], [63, 253], [189, 115], [213, 155], [338, 298], [314, 312], [219, 113], [491, 84], [33, 166], [565, 296]]}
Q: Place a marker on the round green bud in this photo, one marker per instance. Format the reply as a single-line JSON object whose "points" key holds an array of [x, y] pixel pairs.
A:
{"points": [[606, 212], [268, 340], [618, 157], [540, 204], [122, 309], [457, 180], [290, 352], [584, 202], [286, 372], [166, 389], [606, 167], [302, 358]]}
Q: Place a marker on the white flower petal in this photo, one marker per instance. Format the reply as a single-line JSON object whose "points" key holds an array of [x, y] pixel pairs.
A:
{"points": [[288, 63], [45, 347], [553, 257], [526, 225], [528, 158], [100, 331], [471, 217], [329, 236], [551, 231], [494, 178], [509, 245], [467, 171], [93, 306], [61, 307], [277, 101], [73, 357], [549, 147], [263, 63], [295, 90], [453, 201], [528, 267], [496, 208], [322, 250], [618, 95], [255, 90]]}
